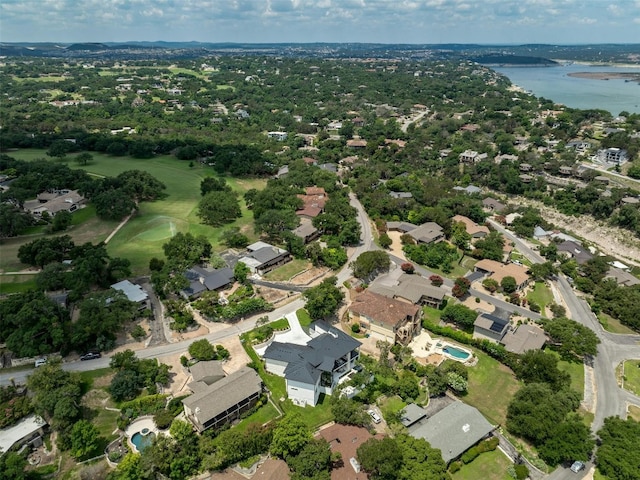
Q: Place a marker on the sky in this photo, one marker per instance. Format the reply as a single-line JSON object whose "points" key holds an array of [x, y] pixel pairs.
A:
{"points": [[303, 21]]}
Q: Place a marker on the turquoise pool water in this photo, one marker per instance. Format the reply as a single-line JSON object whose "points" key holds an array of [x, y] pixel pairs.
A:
{"points": [[456, 352], [142, 441]]}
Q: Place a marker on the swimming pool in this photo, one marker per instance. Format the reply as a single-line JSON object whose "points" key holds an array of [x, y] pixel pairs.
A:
{"points": [[456, 353], [141, 441]]}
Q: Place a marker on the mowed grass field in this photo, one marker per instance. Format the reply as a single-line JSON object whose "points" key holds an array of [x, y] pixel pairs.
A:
{"points": [[155, 222]]}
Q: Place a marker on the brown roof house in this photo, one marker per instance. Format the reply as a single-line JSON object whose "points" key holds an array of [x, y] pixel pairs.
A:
{"points": [[498, 271], [472, 228], [386, 316], [413, 289], [313, 201], [223, 401], [55, 202], [346, 439]]}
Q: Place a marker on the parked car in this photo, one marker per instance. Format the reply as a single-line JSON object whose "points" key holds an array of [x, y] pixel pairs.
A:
{"points": [[577, 466], [374, 416], [90, 356], [41, 361]]}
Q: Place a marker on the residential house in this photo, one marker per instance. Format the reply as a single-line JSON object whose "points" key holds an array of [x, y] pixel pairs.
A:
{"points": [[525, 167], [314, 200], [505, 157], [309, 161], [55, 202], [403, 227], [493, 205], [565, 170], [133, 292], [525, 178], [306, 231], [575, 250], [622, 278], [223, 401], [315, 366], [523, 338], [498, 271], [630, 201], [345, 440], [279, 136], [358, 122], [472, 228], [28, 430], [356, 143], [413, 289], [262, 257], [429, 232], [329, 167], [469, 156], [204, 374], [453, 430], [400, 195], [616, 156], [580, 146], [469, 190], [203, 279], [391, 318], [490, 327]]}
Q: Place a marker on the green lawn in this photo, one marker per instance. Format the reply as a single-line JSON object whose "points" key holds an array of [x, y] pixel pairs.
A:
{"points": [[632, 376], [491, 387], [391, 406], [288, 270], [487, 466], [265, 414], [303, 317], [143, 236], [16, 283], [541, 294], [431, 314], [614, 325]]}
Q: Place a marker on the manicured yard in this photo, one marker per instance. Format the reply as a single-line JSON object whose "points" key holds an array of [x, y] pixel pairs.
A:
{"points": [[143, 236], [575, 370], [632, 376], [432, 315], [491, 387], [541, 294], [288, 270], [391, 406], [16, 283], [488, 466], [613, 325], [303, 317], [265, 414]]}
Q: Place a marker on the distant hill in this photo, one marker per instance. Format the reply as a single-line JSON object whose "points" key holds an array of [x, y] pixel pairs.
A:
{"points": [[505, 59], [87, 47]]}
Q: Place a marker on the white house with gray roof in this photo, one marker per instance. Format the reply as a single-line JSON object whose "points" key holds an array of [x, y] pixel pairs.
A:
{"points": [[262, 257], [315, 367]]}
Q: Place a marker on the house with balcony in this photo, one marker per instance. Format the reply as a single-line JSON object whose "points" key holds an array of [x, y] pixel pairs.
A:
{"points": [[262, 257], [313, 366], [394, 319]]}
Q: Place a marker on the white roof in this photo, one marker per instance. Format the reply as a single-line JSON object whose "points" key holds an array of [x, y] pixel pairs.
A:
{"points": [[25, 427], [257, 246], [134, 292]]}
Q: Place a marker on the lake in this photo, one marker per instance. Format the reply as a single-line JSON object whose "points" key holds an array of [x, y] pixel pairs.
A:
{"points": [[614, 95]]}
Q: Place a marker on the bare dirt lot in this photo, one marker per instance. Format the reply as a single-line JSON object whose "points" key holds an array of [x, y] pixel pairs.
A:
{"points": [[610, 240]]}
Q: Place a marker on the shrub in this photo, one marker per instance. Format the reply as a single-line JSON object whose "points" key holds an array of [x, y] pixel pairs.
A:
{"points": [[522, 472], [436, 280], [355, 328], [454, 467], [184, 361], [534, 307], [163, 419], [138, 333], [408, 267], [470, 455]]}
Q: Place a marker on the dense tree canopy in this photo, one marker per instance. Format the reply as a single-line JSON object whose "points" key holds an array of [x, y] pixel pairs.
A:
{"points": [[618, 457], [370, 264], [323, 300]]}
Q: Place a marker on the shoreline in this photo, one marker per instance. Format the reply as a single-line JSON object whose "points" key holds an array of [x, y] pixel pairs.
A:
{"points": [[629, 76]]}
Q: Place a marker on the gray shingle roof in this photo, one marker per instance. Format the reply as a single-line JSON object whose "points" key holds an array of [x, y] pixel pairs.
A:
{"points": [[453, 430], [134, 292]]}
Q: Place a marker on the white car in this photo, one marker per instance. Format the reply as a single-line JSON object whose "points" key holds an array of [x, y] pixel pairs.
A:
{"points": [[41, 361], [374, 416], [577, 466]]}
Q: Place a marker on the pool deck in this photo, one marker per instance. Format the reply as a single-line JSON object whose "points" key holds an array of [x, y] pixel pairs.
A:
{"points": [[138, 425], [432, 349]]}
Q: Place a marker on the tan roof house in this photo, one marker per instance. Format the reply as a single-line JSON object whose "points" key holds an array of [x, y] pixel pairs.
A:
{"points": [[498, 271], [472, 228], [386, 316]]}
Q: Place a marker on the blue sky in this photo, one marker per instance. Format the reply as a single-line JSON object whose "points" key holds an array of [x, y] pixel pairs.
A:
{"points": [[384, 21]]}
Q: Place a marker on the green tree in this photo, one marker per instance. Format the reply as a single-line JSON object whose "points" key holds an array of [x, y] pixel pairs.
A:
{"points": [[113, 204], [85, 439], [370, 264], [84, 158], [61, 221], [419, 460], [536, 366], [232, 238], [543, 271], [381, 459], [490, 284], [618, 456], [461, 287], [213, 184], [125, 385], [202, 350], [59, 149], [323, 300], [274, 223], [217, 208], [128, 468], [185, 249], [570, 441], [347, 411], [12, 466], [385, 240], [13, 220], [240, 272], [290, 436], [508, 284], [459, 314], [313, 461], [571, 338]]}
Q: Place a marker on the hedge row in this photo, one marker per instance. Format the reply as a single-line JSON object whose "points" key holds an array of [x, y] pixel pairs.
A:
{"points": [[486, 446]]}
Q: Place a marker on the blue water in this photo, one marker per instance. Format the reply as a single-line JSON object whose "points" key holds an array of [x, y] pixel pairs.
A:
{"points": [[554, 84], [456, 352], [142, 441]]}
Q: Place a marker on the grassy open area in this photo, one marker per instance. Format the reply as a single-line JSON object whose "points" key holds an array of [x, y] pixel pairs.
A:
{"points": [[614, 325], [491, 387], [288, 270], [142, 237], [631, 377], [303, 317], [432, 315], [487, 466], [634, 413], [263, 415], [541, 294], [575, 370], [16, 283]]}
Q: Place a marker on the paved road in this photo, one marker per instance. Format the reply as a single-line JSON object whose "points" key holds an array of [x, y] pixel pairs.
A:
{"points": [[367, 243], [611, 400]]}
